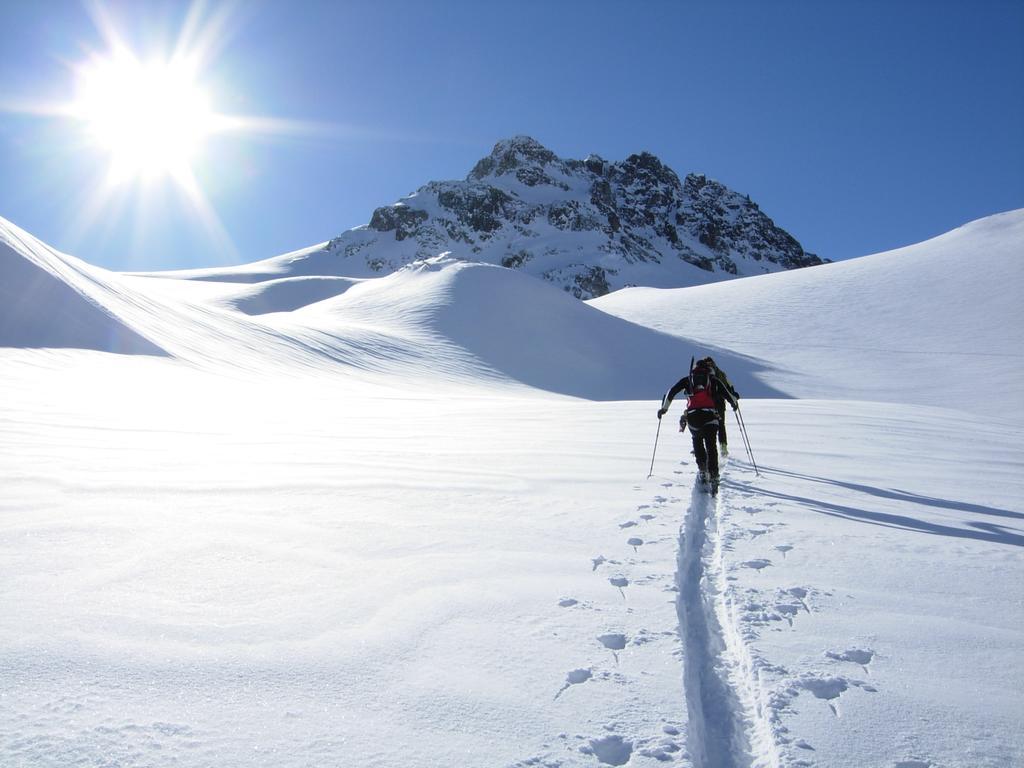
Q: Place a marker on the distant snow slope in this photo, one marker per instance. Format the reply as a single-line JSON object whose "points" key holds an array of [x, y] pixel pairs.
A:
{"points": [[439, 318], [52, 300], [938, 323], [827, 331]]}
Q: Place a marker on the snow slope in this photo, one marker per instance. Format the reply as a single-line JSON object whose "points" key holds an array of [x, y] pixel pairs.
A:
{"points": [[439, 318], [938, 323], [350, 529], [52, 300]]}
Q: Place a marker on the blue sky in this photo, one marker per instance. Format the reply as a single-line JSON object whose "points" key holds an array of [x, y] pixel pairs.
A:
{"points": [[858, 127]]}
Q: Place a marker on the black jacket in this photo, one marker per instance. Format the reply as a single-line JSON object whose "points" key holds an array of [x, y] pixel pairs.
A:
{"points": [[719, 393]]}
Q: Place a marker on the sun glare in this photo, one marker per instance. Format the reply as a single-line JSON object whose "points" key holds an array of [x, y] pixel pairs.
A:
{"points": [[150, 118]]}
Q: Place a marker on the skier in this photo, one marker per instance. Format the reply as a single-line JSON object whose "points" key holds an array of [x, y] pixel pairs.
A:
{"points": [[723, 439], [704, 391]]}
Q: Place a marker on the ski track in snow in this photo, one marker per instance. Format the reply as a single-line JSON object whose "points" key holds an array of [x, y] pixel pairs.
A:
{"points": [[736, 700], [730, 722], [653, 741], [728, 727]]}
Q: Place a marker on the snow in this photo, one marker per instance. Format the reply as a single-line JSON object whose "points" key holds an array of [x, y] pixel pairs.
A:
{"points": [[406, 520], [938, 323]]}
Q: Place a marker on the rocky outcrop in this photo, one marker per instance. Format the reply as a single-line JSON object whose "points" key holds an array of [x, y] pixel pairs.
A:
{"points": [[589, 226]]}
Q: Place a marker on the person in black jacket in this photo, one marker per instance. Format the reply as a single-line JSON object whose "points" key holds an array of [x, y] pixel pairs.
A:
{"points": [[704, 391], [718, 373]]}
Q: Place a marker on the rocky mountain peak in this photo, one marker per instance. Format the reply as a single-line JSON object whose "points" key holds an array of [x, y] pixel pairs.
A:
{"points": [[645, 168], [588, 226], [512, 155]]}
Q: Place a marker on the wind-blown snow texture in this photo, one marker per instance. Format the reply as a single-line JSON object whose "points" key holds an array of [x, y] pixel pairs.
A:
{"points": [[587, 226], [404, 520]]}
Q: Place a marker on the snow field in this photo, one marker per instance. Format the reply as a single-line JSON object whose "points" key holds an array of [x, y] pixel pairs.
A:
{"points": [[356, 530], [338, 567], [380, 577], [853, 592]]}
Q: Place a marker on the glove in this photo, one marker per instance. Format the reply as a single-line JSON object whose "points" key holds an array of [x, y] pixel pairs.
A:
{"points": [[662, 412]]}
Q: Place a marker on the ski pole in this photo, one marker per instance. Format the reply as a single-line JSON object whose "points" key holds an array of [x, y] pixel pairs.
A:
{"points": [[746, 439], [656, 435], [743, 435]]}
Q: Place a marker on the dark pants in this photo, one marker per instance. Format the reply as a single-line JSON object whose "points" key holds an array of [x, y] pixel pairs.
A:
{"points": [[723, 439], [704, 425]]}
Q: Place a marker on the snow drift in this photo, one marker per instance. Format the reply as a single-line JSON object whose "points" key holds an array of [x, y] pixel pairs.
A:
{"points": [[52, 300]]}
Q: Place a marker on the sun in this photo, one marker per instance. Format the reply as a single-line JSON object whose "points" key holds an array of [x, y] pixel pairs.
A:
{"points": [[151, 118], [149, 113]]}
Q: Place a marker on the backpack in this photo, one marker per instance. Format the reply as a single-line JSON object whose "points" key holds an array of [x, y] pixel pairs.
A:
{"points": [[700, 389]]}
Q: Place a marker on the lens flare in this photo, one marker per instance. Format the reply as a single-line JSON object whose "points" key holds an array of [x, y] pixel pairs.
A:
{"points": [[151, 115], [151, 118]]}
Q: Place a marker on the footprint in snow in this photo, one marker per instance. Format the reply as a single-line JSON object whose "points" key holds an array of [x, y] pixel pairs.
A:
{"points": [[635, 543], [862, 656], [609, 750], [830, 688], [621, 582], [914, 764], [575, 677], [614, 642], [628, 524], [599, 560], [663, 751], [788, 612], [644, 636], [827, 688], [568, 602], [647, 518], [757, 565], [800, 593]]}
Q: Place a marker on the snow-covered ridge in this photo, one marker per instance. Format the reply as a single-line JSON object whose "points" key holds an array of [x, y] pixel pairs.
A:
{"points": [[826, 332], [439, 318], [937, 323], [587, 226], [57, 301]]}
